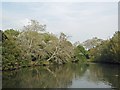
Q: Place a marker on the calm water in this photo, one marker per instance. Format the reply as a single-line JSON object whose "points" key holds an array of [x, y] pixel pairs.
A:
{"points": [[66, 76]]}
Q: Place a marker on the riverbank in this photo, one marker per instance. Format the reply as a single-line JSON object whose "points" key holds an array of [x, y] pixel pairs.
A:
{"points": [[50, 64], [90, 62]]}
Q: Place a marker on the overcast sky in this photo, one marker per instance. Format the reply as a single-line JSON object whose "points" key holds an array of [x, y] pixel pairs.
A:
{"points": [[80, 20]]}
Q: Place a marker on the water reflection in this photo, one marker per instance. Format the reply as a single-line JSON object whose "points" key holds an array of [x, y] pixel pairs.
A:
{"points": [[108, 74], [70, 75]]}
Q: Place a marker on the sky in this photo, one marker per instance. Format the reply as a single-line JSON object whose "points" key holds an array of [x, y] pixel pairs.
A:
{"points": [[79, 20]]}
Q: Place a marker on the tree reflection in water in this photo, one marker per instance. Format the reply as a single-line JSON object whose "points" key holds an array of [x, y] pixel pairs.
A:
{"points": [[61, 76], [43, 77], [109, 74]]}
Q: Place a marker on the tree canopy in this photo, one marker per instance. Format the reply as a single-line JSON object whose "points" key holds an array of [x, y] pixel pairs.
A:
{"points": [[34, 46], [108, 51]]}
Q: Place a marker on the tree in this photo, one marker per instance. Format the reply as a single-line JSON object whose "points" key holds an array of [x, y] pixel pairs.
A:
{"points": [[63, 50], [80, 54], [35, 26], [31, 40], [91, 43], [10, 50], [108, 51]]}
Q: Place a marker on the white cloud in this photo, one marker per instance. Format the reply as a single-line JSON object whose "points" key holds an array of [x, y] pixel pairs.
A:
{"points": [[79, 20]]}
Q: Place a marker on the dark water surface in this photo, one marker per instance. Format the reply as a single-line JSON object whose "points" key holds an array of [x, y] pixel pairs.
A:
{"points": [[65, 76]]}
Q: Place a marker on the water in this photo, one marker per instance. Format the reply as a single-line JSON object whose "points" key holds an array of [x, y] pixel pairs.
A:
{"points": [[65, 76]]}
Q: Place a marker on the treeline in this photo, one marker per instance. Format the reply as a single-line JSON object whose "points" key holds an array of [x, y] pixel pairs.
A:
{"points": [[33, 45], [108, 51]]}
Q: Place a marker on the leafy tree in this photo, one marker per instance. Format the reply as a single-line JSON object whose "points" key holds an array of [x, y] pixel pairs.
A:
{"points": [[108, 51], [91, 43], [11, 32], [10, 51], [34, 46], [80, 53], [63, 50]]}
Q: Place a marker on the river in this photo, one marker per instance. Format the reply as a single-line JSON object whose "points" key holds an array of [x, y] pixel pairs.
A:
{"points": [[64, 76]]}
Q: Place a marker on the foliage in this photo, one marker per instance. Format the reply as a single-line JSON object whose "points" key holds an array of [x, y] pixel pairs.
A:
{"points": [[34, 46], [80, 53], [10, 54], [108, 51], [11, 33], [91, 43]]}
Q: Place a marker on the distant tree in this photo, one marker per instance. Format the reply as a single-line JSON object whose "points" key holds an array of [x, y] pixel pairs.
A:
{"points": [[108, 51], [91, 43], [80, 53]]}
